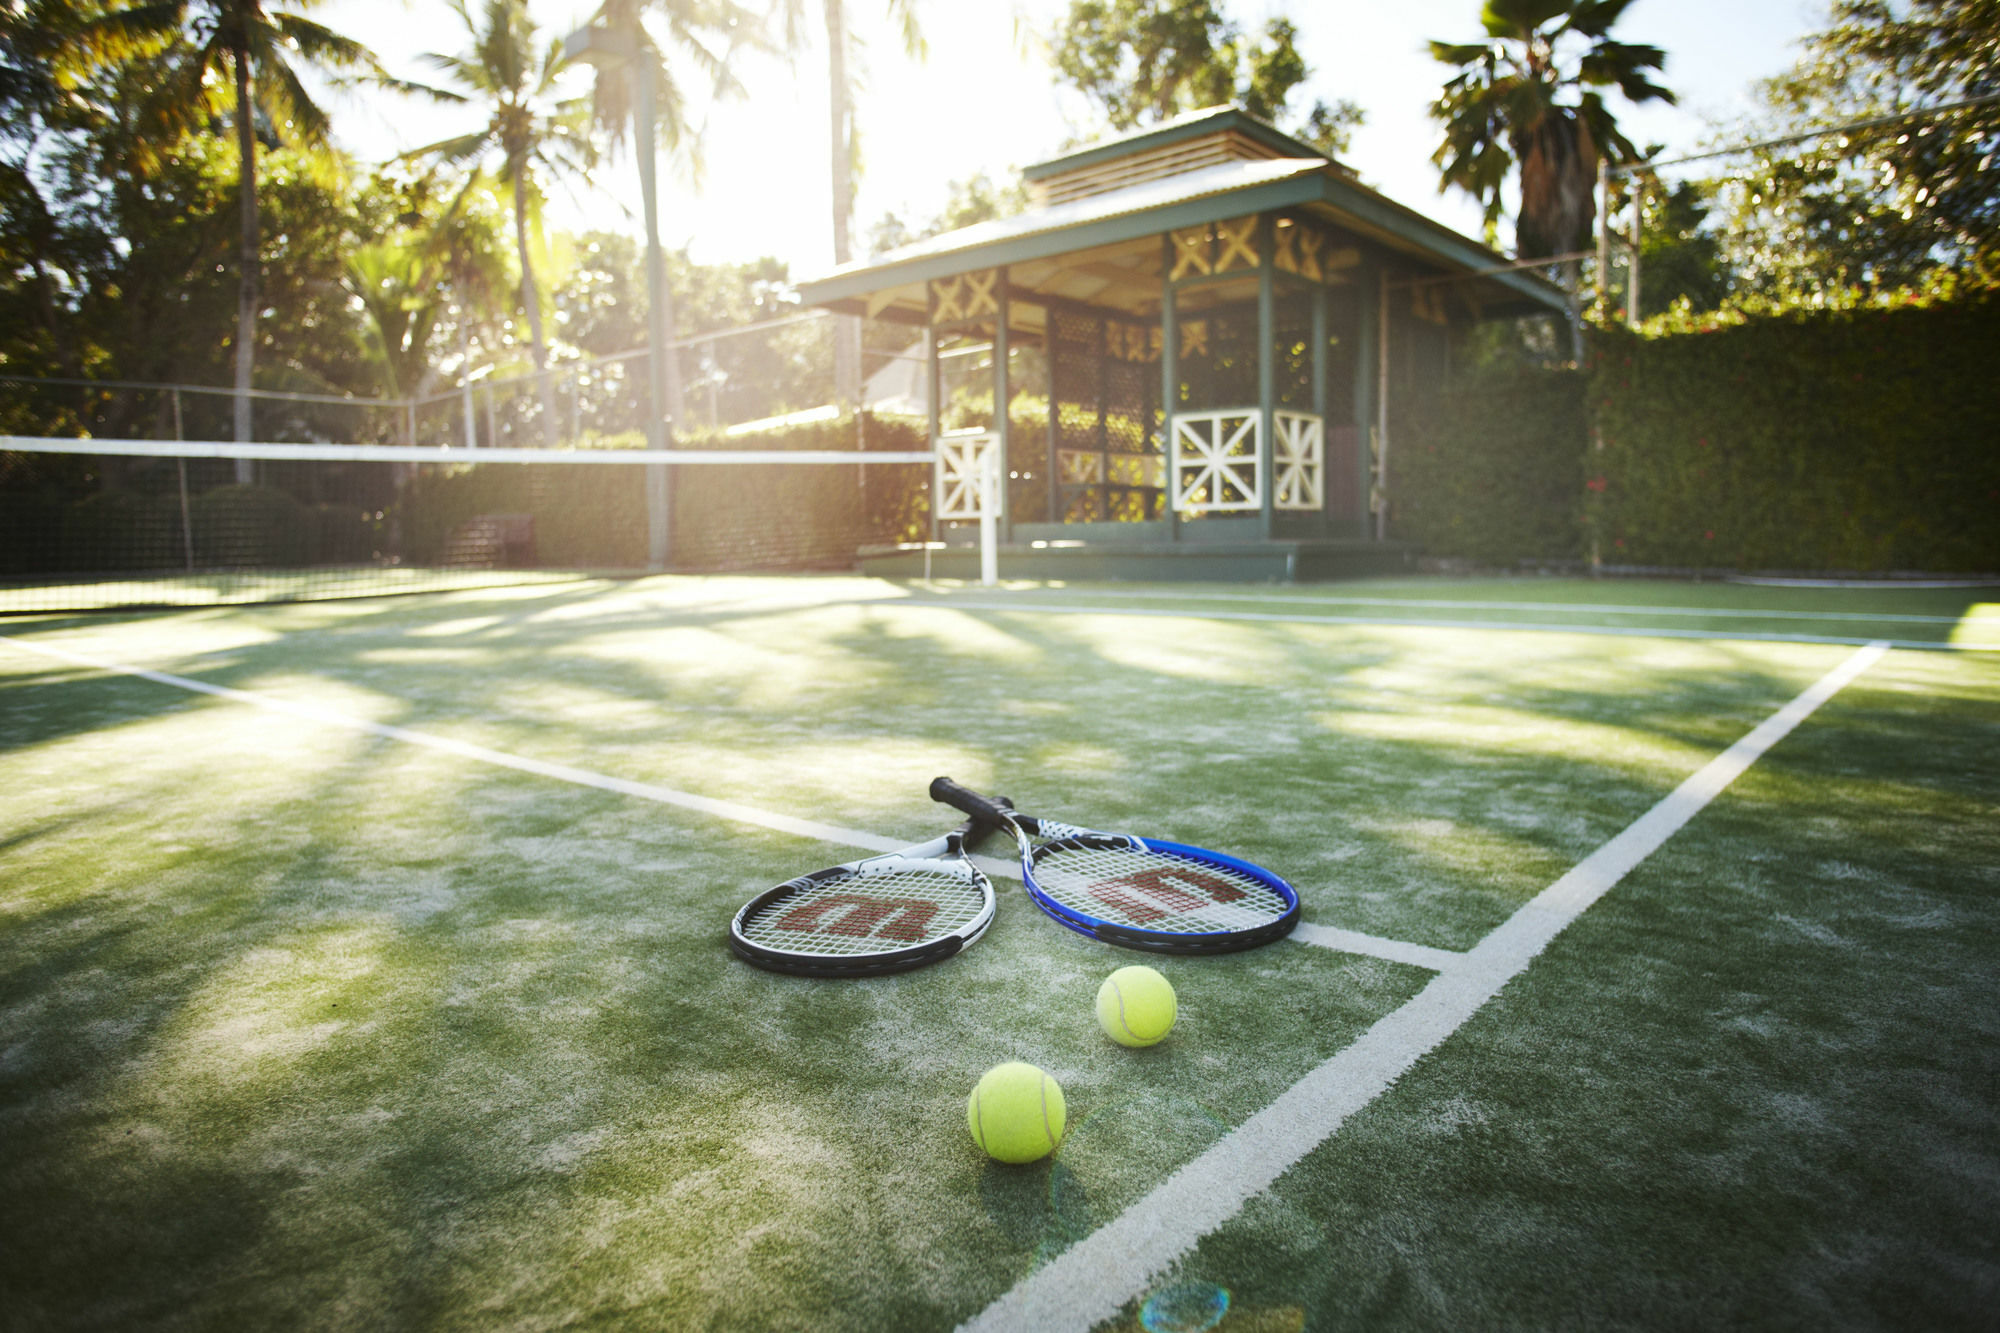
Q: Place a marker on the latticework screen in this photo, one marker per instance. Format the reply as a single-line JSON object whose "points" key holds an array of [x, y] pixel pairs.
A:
{"points": [[1104, 375]]}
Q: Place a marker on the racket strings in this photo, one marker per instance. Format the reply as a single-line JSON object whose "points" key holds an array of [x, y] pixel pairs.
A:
{"points": [[870, 911], [1153, 890]]}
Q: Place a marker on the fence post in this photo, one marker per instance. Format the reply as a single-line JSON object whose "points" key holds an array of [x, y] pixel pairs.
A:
{"points": [[1632, 268], [181, 466]]}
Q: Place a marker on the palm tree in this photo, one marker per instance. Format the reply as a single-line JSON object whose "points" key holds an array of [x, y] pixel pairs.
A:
{"points": [[229, 58], [704, 34], [526, 128], [1510, 106], [846, 154]]}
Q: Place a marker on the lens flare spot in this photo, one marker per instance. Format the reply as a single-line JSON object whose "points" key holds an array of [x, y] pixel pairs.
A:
{"points": [[1189, 1307]]}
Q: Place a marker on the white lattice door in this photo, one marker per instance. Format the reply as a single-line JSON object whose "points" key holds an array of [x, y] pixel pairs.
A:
{"points": [[1218, 461], [958, 471], [1300, 458]]}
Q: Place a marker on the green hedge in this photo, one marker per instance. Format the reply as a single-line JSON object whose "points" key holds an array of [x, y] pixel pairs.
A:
{"points": [[1825, 440], [124, 530], [1858, 440], [1491, 470]]}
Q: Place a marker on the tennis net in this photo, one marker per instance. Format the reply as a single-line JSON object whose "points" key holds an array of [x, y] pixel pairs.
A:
{"points": [[98, 524]]}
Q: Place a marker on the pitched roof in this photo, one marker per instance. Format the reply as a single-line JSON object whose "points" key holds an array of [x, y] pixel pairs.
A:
{"points": [[1230, 183]]}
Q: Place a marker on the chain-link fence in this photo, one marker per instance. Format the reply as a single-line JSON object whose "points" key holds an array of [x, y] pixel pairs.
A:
{"points": [[727, 379]]}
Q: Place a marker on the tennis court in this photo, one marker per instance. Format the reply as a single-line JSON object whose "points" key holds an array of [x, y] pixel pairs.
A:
{"points": [[362, 963]]}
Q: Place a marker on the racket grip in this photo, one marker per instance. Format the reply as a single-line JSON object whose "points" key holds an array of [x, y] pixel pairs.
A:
{"points": [[947, 792]]}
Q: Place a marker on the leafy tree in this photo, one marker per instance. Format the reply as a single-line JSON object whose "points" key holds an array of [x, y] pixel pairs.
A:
{"points": [[1887, 206], [527, 131], [428, 278], [1526, 97], [978, 198], [738, 377], [1680, 256], [1143, 61], [45, 113], [227, 57], [145, 290]]}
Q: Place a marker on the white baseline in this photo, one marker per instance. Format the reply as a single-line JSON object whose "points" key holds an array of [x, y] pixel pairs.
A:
{"points": [[1092, 1280]]}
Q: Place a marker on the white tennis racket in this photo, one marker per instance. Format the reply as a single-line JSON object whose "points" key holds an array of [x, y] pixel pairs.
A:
{"points": [[891, 913]]}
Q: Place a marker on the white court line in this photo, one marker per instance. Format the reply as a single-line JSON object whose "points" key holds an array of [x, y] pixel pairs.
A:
{"points": [[1501, 626], [1374, 946], [741, 814], [1566, 608], [1327, 937], [1092, 1280]]}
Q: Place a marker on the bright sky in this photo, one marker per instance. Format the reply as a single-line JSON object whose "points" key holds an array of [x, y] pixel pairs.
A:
{"points": [[985, 101]]}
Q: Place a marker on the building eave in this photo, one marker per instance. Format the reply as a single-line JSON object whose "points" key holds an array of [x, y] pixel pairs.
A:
{"points": [[1160, 206]]}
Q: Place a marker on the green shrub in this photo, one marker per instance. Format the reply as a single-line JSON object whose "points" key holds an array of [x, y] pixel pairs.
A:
{"points": [[1810, 440], [1491, 469], [31, 530], [245, 526], [1857, 440], [122, 531], [340, 534]]}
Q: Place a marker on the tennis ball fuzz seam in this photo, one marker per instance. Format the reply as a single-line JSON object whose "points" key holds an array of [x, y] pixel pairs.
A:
{"points": [[1016, 1113], [1136, 1006]]}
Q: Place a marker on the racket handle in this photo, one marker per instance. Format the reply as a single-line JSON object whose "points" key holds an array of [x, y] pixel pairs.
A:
{"points": [[986, 811]]}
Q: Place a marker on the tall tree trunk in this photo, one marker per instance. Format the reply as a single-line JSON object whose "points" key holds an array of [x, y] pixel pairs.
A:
{"points": [[246, 298], [531, 301], [846, 328]]}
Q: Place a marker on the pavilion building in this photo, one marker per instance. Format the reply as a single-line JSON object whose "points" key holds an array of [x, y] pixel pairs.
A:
{"points": [[1187, 358]]}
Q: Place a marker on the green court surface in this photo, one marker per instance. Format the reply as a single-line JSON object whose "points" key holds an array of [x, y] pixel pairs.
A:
{"points": [[362, 963]]}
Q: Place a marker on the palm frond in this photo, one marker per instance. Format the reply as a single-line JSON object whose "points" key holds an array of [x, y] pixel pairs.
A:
{"points": [[321, 45], [295, 116], [454, 152]]}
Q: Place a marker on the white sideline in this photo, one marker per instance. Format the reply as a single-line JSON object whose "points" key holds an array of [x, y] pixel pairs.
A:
{"points": [[1405, 622], [742, 814], [1092, 1280], [1567, 608]]}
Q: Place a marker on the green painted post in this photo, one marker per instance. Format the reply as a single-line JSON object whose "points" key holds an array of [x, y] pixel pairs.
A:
{"points": [[1366, 350], [1318, 303], [1005, 517], [1170, 378], [1267, 371], [1054, 465], [934, 379]]}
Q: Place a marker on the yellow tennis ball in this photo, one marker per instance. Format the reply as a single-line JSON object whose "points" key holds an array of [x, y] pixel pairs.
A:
{"points": [[1016, 1113], [1136, 1006]]}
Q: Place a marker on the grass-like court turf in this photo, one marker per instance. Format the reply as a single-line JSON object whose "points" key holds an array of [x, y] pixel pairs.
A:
{"points": [[362, 963]]}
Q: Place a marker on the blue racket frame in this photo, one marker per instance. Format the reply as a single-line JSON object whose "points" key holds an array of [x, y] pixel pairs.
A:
{"points": [[1118, 933]]}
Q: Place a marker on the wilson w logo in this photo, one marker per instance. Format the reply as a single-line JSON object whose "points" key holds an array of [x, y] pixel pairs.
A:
{"points": [[855, 914], [1149, 895]]}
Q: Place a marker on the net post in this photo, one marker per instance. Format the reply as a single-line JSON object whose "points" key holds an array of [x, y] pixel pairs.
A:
{"points": [[659, 522], [989, 509]]}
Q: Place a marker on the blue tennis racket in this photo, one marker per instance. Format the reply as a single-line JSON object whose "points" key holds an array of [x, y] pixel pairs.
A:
{"points": [[1138, 893]]}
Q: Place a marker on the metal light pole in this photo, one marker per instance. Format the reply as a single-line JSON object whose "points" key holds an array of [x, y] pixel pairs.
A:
{"points": [[609, 49]]}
